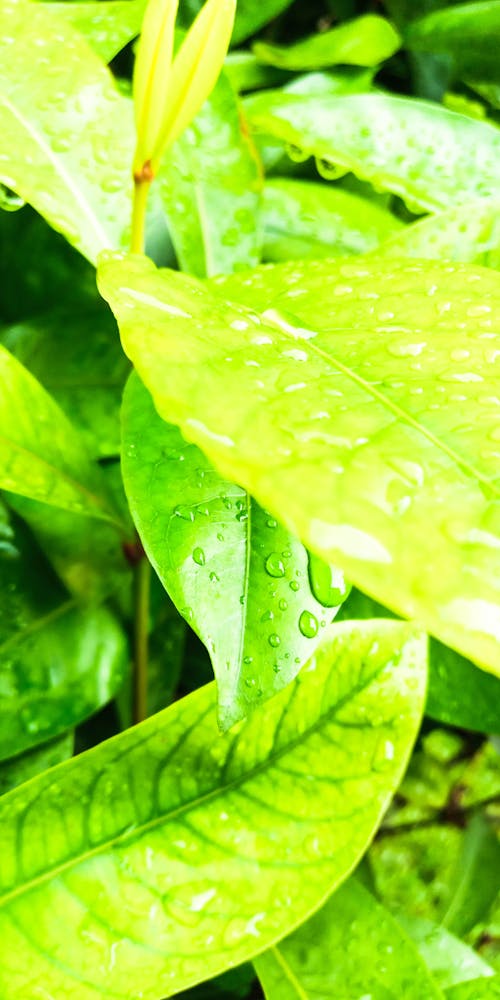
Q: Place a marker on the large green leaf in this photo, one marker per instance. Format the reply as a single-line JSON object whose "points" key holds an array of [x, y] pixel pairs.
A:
{"points": [[175, 853], [351, 948], [209, 186], [237, 576], [360, 408], [479, 989], [432, 157], [467, 35], [42, 455], [365, 41], [469, 233], [449, 959], [27, 765], [250, 15], [107, 27], [59, 663], [302, 219], [66, 133]]}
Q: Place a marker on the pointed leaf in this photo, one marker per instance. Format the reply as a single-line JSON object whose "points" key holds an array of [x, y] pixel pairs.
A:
{"points": [[364, 41], [360, 408], [351, 948], [66, 133], [237, 576], [431, 157], [175, 853]]}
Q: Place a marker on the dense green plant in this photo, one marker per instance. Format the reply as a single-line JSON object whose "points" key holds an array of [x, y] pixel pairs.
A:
{"points": [[306, 454]]}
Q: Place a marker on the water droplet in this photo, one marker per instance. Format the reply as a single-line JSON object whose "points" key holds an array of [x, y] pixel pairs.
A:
{"points": [[271, 523], [213, 577], [330, 171], [274, 565], [185, 512], [328, 583], [308, 624], [294, 586], [248, 659], [199, 556], [274, 640], [283, 604], [267, 616], [296, 153]]}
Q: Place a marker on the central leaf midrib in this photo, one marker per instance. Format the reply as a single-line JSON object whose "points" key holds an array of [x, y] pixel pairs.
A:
{"points": [[186, 807]]}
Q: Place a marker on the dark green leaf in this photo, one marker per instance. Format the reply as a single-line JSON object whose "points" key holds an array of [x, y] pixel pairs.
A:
{"points": [[250, 15], [467, 35], [365, 41], [175, 853], [15, 771], [478, 877]]}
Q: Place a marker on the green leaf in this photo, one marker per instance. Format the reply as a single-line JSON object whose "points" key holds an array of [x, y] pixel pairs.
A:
{"points": [[468, 233], [237, 576], [465, 34], [175, 853], [27, 765], [85, 372], [250, 15], [59, 663], [478, 878], [302, 219], [365, 41], [209, 186], [67, 135], [449, 960], [245, 72], [431, 157], [351, 948], [478, 989], [42, 455], [359, 408], [107, 27]]}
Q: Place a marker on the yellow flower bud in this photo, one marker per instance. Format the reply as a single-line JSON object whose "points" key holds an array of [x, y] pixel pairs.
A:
{"points": [[151, 73]]}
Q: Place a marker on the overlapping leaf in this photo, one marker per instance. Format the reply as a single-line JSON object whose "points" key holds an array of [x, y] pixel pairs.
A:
{"points": [[107, 27], [432, 157], [468, 233], [364, 41], [237, 576], [16, 770], [446, 956], [174, 852], [360, 408], [465, 34]]}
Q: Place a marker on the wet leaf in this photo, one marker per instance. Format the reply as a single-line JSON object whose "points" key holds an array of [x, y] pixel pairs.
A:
{"points": [[302, 219], [364, 41], [66, 132], [431, 157], [237, 576], [468, 233], [351, 948], [359, 408], [226, 847], [107, 27]]}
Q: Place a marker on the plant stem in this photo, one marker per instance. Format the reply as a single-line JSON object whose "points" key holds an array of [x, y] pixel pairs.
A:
{"points": [[142, 580], [141, 191]]}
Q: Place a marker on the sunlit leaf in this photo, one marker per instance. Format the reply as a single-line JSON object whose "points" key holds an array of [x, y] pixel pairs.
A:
{"points": [[107, 27], [360, 408], [468, 233], [66, 133], [432, 157], [351, 948], [175, 852], [237, 576], [478, 989], [364, 41]]}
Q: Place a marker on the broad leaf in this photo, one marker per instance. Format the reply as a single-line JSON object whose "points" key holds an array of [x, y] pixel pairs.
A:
{"points": [[59, 663], [364, 41], [42, 455], [107, 27], [465, 35], [250, 15], [432, 157], [468, 233], [449, 959], [351, 948], [175, 852], [27, 765], [302, 219], [237, 576], [66, 133], [478, 989], [209, 186], [360, 408]]}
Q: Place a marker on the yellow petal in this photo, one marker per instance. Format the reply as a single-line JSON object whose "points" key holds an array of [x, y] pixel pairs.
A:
{"points": [[151, 76], [195, 69]]}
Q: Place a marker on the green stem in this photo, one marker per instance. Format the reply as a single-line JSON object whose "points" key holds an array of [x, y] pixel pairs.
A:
{"points": [[141, 192], [142, 581]]}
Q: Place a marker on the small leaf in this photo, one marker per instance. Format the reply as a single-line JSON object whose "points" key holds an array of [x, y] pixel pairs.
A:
{"points": [[465, 35], [364, 41], [175, 853], [431, 157], [302, 219], [66, 133], [236, 575], [449, 960], [359, 407], [42, 455], [351, 948]]}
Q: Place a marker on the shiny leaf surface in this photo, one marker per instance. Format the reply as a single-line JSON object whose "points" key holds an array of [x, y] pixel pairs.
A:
{"points": [[237, 576], [349, 408], [210, 863], [60, 115], [351, 948], [365, 41], [431, 157], [107, 27]]}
